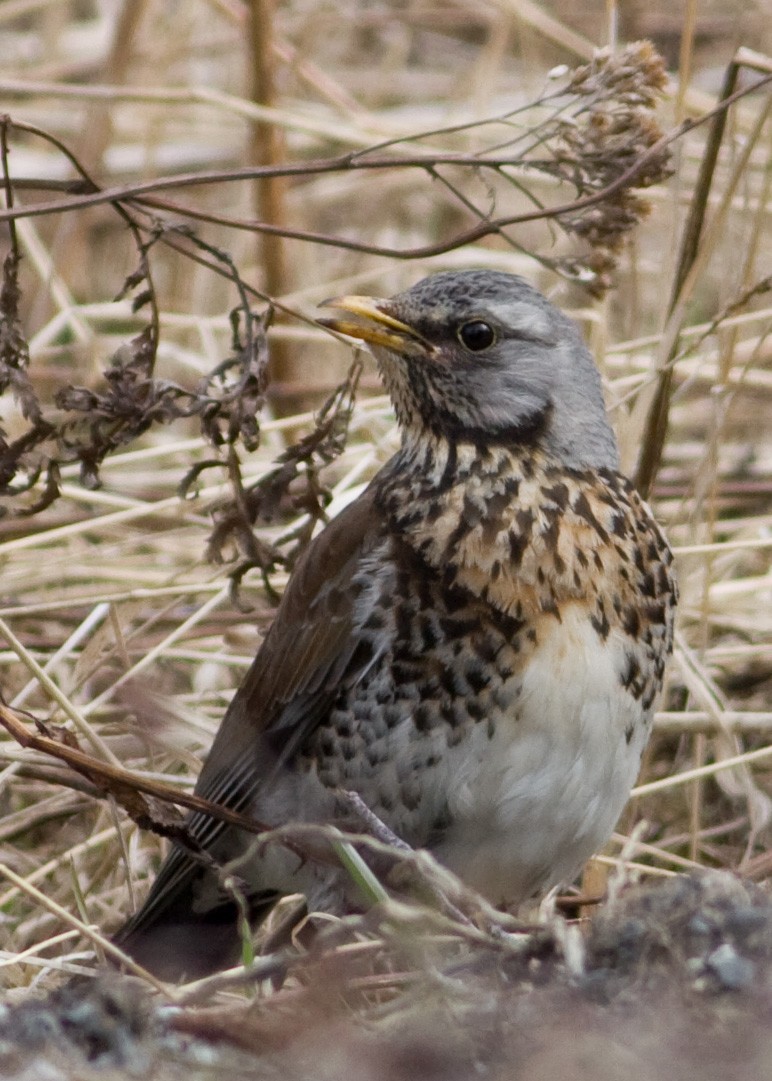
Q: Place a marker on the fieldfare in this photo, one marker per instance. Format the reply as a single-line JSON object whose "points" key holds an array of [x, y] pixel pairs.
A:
{"points": [[474, 645]]}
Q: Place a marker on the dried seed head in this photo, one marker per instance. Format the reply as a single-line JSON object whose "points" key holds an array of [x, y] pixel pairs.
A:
{"points": [[607, 137], [635, 76]]}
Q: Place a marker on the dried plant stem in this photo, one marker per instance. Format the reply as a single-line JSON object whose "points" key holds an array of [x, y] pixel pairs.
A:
{"points": [[96, 841], [51, 689], [69, 249], [685, 58], [267, 149], [534, 15], [365, 160], [149, 657], [66, 917], [657, 420], [105, 774], [744, 759], [701, 720]]}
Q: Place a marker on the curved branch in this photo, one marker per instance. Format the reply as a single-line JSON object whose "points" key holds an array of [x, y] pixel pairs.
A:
{"points": [[351, 161]]}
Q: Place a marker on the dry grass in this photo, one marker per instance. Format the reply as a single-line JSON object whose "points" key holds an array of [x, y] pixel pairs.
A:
{"points": [[109, 590]]}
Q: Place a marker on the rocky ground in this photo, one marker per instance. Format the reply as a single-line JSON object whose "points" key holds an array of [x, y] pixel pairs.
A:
{"points": [[671, 980]]}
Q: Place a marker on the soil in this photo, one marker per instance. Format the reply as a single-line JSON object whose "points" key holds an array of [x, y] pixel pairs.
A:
{"points": [[670, 980]]}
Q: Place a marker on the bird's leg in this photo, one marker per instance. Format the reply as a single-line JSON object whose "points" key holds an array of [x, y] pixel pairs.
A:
{"points": [[381, 832], [376, 825]]}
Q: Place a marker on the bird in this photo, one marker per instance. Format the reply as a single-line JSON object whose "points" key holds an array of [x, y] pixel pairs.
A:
{"points": [[473, 646]]}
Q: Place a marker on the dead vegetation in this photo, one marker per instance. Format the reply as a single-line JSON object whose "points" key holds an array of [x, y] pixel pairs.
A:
{"points": [[174, 427]]}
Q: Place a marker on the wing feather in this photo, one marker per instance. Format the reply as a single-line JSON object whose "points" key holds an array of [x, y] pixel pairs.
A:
{"points": [[307, 655]]}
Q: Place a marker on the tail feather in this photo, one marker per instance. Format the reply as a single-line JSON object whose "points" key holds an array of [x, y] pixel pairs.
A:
{"points": [[180, 947], [175, 936]]}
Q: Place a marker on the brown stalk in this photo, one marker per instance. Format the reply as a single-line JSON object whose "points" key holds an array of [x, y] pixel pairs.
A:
{"points": [[267, 150], [120, 783], [355, 162], [655, 430], [70, 244]]}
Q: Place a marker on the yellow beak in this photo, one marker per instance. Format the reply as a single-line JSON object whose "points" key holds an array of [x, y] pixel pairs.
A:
{"points": [[373, 324]]}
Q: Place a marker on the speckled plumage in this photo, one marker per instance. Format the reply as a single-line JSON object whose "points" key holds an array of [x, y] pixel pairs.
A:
{"points": [[474, 645]]}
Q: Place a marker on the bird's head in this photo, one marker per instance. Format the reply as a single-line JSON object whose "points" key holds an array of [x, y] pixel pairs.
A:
{"points": [[481, 356]]}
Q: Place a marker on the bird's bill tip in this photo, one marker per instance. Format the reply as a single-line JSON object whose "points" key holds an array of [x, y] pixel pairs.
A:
{"points": [[368, 307], [371, 322]]}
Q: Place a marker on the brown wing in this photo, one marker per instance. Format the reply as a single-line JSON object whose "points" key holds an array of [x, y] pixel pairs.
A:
{"points": [[308, 654], [309, 650]]}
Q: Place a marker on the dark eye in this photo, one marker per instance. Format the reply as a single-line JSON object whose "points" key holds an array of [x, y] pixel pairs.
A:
{"points": [[476, 335]]}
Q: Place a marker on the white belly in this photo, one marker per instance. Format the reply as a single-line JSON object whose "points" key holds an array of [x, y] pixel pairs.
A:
{"points": [[534, 801]]}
